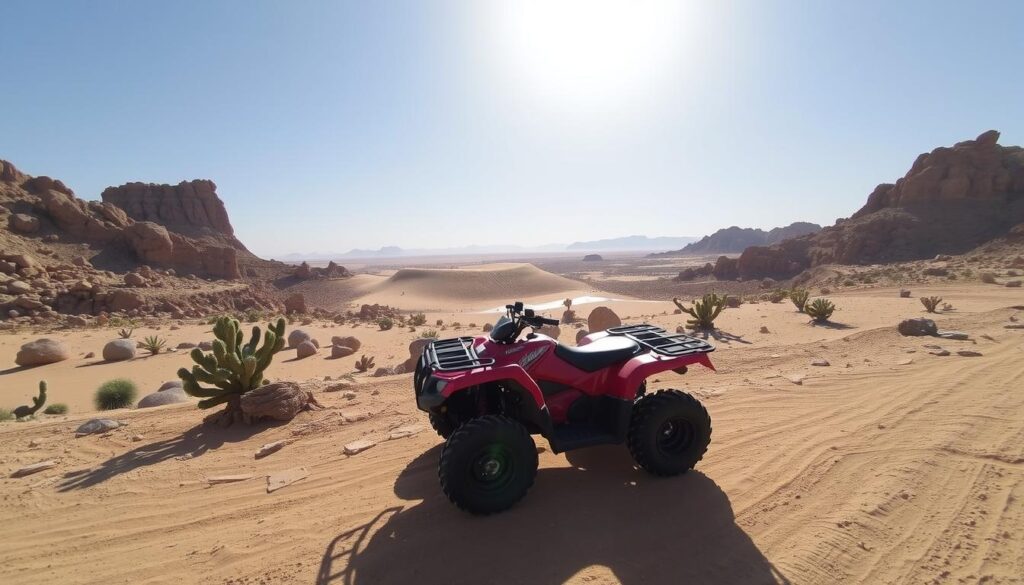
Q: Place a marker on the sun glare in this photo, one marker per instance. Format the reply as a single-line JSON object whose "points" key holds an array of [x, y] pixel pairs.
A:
{"points": [[591, 55]]}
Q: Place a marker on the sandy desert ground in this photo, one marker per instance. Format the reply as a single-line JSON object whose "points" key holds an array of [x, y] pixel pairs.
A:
{"points": [[889, 465]]}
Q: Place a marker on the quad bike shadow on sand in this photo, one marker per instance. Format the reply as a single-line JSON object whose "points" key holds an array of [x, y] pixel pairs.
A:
{"points": [[600, 511]]}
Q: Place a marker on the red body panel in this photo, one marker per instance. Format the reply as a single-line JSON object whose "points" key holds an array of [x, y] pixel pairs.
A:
{"points": [[529, 361]]}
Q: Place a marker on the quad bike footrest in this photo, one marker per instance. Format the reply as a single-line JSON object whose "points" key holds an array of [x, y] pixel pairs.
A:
{"points": [[567, 437]]}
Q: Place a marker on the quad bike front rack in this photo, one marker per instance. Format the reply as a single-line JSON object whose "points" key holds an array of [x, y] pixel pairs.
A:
{"points": [[662, 342]]}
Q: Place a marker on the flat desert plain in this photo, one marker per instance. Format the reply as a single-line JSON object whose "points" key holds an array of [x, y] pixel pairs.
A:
{"points": [[889, 465]]}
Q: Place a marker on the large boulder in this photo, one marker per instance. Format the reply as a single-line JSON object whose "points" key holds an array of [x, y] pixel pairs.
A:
{"points": [[340, 351], [347, 341], [134, 279], [306, 349], [119, 350], [160, 398], [41, 352], [602, 318], [124, 300], [296, 337], [150, 242], [24, 223]]}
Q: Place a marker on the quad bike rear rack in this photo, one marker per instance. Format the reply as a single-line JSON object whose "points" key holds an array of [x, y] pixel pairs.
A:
{"points": [[662, 342]]}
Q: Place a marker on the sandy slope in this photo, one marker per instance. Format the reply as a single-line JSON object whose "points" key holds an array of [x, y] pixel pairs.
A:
{"points": [[868, 472]]}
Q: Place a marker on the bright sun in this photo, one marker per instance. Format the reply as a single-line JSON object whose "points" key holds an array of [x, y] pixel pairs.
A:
{"points": [[594, 55]]}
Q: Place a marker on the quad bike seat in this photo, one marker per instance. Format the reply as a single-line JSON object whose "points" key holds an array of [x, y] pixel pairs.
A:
{"points": [[599, 353]]}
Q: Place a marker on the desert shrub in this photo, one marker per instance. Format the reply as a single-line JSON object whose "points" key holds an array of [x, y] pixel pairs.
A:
{"points": [[364, 363], [567, 303], [154, 344], [439, 322], [731, 302], [799, 297], [820, 310], [6, 415], [417, 319], [429, 334], [704, 311], [931, 303], [988, 277], [116, 393], [385, 323], [456, 324], [252, 316], [58, 408], [126, 333]]}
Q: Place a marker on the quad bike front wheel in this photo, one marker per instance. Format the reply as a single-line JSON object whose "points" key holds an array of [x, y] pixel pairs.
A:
{"points": [[441, 424], [669, 432], [488, 464]]}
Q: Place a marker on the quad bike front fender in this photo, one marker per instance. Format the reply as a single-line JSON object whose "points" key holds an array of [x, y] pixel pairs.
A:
{"points": [[439, 386]]}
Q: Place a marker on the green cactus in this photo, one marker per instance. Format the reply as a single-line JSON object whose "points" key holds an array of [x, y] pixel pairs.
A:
{"points": [[233, 368], [799, 297], [931, 303], [37, 403], [820, 310], [704, 311]]}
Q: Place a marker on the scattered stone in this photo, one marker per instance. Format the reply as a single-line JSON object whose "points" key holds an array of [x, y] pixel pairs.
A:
{"points": [[134, 279], [968, 353], [764, 329], [97, 425], [820, 363], [41, 352], [269, 448], [340, 351], [905, 362], [1014, 326], [164, 397], [350, 395], [276, 481], [797, 379], [137, 438], [89, 355], [119, 350], [218, 479], [939, 352], [917, 327], [955, 335], [1013, 283], [404, 431], [359, 446], [904, 293], [355, 417], [34, 468], [186, 345], [306, 349]]}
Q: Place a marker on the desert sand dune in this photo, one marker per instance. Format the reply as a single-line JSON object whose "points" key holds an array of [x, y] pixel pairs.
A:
{"points": [[891, 465]]}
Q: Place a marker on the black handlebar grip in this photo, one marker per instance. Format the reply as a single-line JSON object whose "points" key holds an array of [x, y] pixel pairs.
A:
{"points": [[549, 321]]}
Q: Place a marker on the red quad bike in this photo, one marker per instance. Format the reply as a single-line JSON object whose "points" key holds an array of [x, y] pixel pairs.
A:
{"points": [[487, 395]]}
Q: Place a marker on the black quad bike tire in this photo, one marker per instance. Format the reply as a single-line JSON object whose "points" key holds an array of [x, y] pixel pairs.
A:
{"points": [[669, 432], [488, 464], [441, 424]]}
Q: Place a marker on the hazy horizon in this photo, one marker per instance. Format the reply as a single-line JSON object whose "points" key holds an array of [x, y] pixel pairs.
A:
{"points": [[426, 125]]}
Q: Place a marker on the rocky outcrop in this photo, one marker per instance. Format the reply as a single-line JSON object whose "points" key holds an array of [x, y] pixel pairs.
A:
{"points": [[952, 200]]}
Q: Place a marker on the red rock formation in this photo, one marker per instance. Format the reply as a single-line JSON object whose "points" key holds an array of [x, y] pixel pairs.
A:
{"points": [[189, 206]]}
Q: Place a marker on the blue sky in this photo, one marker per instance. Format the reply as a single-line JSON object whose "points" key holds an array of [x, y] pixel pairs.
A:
{"points": [[333, 125]]}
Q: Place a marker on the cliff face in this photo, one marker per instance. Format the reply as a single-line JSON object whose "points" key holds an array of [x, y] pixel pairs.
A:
{"points": [[200, 240], [952, 200], [188, 207]]}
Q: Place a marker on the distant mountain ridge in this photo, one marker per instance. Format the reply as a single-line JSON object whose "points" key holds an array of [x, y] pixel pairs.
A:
{"points": [[736, 239], [623, 244]]}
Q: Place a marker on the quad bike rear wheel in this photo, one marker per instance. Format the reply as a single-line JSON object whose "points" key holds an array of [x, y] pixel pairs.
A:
{"points": [[669, 432], [488, 464]]}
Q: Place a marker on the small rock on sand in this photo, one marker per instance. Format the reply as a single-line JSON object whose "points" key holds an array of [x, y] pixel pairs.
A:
{"points": [[939, 352], [968, 353], [359, 446], [276, 481], [956, 335], [905, 362], [269, 448], [228, 478], [797, 379], [34, 468], [352, 417], [820, 363], [96, 425], [404, 431]]}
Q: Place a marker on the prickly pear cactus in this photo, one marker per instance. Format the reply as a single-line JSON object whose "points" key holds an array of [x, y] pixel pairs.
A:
{"points": [[233, 368]]}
